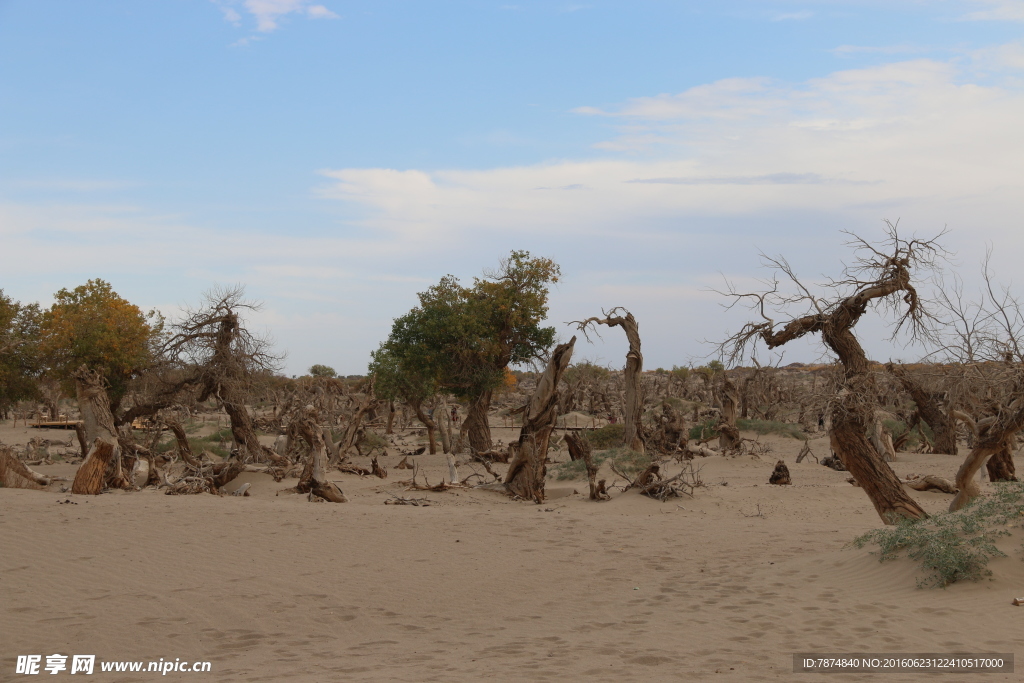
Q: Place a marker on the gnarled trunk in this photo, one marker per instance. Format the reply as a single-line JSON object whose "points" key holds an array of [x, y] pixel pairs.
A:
{"points": [[428, 422], [525, 477], [1000, 466], [729, 435], [314, 475], [477, 425], [942, 422], [633, 434], [98, 425]]}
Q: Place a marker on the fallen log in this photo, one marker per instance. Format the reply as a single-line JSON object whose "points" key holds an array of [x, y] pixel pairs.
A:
{"points": [[930, 483], [16, 475]]}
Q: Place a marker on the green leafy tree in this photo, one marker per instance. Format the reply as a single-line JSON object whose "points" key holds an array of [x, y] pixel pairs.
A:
{"points": [[322, 371], [462, 339], [19, 352], [92, 325]]}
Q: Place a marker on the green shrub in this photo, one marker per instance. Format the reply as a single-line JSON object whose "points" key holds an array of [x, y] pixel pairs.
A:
{"points": [[607, 436], [627, 461], [772, 427], [704, 430], [953, 546], [571, 469], [898, 428]]}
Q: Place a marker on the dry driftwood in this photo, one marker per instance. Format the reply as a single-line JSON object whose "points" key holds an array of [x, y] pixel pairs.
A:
{"points": [[930, 482], [403, 465], [806, 452], [16, 475]]}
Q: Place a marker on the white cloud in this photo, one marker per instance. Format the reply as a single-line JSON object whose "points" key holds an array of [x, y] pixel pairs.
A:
{"points": [[268, 13], [998, 10], [320, 12]]}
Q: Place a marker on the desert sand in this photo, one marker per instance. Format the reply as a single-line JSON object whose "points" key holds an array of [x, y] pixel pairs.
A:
{"points": [[475, 586]]}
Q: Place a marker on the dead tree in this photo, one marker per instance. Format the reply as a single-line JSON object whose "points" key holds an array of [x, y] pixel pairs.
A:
{"points": [[633, 437], [526, 472], [222, 359], [728, 434], [314, 476], [579, 449], [100, 433], [14, 474], [993, 435], [881, 276], [931, 407]]}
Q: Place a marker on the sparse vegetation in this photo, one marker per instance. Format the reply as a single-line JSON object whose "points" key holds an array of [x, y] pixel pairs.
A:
{"points": [[607, 436], [953, 546], [772, 427]]}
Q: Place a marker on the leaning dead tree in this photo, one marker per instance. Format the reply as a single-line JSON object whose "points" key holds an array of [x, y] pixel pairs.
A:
{"points": [[528, 467], [881, 277], [633, 437], [222, 359]]}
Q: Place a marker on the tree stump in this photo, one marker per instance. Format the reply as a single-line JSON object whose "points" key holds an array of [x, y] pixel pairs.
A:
{"points": [[780, 475]]}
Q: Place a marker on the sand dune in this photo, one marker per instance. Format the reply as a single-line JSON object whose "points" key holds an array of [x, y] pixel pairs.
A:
{"points": [[478, 587]]}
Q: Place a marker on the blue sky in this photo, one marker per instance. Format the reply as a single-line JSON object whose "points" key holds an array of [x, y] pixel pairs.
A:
{"points": [[336, 157]]}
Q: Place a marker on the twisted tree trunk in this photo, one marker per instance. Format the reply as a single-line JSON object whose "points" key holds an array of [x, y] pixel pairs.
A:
{"points": [[98, 425], [314, 475], [853, 409], [477, 425], [1000, 466], [929, 407], [428, 422], [633, 435], [528, 468]]}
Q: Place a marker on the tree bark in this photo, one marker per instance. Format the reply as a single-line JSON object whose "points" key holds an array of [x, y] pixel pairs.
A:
{"points": [[579, 449], [526, 472], [1000, 466], [391, 418], [942, 422], [98, 425], [352, 431], [14, 474], [314, 475], [633, 432], [729, 436], [91, 476], [428, 422], [853, 408], [477, 425]]}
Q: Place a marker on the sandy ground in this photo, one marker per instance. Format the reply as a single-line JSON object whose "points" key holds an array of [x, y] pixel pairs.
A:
{"points": [[724, 587]]}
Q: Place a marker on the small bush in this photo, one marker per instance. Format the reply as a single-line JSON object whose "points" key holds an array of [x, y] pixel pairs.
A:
{"points": [[898, 428], [953, 546], [572, 469], [627, 461], [607, 436], [772, 427], [704, 430]]}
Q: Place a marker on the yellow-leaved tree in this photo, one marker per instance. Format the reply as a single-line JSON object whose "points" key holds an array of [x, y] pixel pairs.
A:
{"points": [[92, 325]]}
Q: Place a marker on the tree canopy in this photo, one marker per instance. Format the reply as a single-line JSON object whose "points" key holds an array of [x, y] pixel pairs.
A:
{"points": [[461, 339], [19, 351], [92, 325]]}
